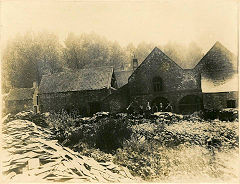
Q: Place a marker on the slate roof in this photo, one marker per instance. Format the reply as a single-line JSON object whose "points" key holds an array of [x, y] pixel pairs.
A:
{"points": [[20, 94], [80, 80], [155, 52], [220, 85], [122, 77], [218, 58]]}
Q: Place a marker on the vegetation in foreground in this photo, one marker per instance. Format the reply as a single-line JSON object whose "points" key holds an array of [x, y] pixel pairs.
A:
{"points": [[163, 148]]}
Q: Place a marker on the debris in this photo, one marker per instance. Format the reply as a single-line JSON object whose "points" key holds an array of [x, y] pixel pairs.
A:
{"points": [[31, 155], [33, 163]]}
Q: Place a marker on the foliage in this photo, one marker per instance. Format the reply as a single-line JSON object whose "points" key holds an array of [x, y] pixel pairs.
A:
{"points": [[162, 148], [91, 50], [27, 57], [154, 162], [106, 134], [185, 56]]}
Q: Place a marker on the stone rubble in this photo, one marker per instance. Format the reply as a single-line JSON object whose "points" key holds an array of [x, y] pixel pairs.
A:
{"points": [[30, 155]]}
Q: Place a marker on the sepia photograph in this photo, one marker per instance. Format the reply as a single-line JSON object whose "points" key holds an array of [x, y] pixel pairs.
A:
{"points": [[119, 91]]}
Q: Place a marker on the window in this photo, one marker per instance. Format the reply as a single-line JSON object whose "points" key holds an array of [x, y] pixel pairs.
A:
{"points": [[37, 99], [35, 109], [157, 84], [231, 103], [113, 82], [94, 107]]}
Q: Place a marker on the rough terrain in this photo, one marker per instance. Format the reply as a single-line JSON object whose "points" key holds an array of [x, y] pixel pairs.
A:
{"points": [[29, 155]]}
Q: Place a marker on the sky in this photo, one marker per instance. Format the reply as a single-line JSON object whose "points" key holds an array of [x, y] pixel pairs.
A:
{"points": [[160, 22]]}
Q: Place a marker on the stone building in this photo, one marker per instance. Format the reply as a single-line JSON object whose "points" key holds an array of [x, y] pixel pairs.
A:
{"points": [[219, 95], [219, 78], [19, 99], [159, 80], [82, 90]]}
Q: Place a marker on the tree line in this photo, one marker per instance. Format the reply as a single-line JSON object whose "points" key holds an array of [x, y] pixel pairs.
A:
{"points": [[27, 57]]}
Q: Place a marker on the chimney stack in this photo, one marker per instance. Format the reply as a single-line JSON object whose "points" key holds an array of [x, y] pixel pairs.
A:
{"points": [[135, 64], [34, 84]]}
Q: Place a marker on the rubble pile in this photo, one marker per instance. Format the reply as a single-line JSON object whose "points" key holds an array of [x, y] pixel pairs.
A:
{"points": [[30, 154]]}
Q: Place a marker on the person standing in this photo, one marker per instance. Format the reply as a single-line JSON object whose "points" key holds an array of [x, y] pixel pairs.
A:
{"points": [[169, 108], [130, 109], [155, 108], [141, 110], [161, 107], [148, 110]]}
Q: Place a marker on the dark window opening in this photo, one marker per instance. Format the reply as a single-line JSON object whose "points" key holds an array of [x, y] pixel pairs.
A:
{"points": [[94, 107], [157, 84], [190, 104], [113, 82], [37, 100], [231, 104], [35, 108]]}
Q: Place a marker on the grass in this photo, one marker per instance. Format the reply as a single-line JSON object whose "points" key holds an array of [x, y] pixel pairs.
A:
{"points": [[166, 149]]}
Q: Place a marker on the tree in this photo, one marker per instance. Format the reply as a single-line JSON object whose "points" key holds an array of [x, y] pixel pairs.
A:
{"points": [[143, 50], [27, 57], [92, 50], [140, 52], [185, 56]]}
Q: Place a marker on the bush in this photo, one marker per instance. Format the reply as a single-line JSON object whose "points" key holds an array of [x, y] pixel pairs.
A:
{"points": [[191, 148], [161, 147], [111, 133], [107, 134]]}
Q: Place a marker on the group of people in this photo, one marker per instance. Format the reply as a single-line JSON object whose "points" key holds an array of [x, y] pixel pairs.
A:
{"points": [[150, 109]]}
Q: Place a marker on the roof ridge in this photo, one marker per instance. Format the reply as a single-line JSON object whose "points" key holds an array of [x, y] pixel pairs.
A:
{"points": [[21, 88], [157, 50], [73, 71], [124, 71], [77, 80], [214, 46], [168, 57]]}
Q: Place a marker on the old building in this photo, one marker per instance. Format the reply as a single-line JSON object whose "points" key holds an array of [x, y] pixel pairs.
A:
{"points": [[19, 99], [122, 77], [159, 81], [82, 90], [218, 95], [219, 78]]}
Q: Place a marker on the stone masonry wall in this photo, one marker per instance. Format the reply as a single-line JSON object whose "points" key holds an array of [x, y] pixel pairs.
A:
{"points": [[219, 100], [71, 100]]}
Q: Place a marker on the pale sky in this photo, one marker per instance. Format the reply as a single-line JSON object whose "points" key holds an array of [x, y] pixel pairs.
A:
{"points": [[181, 21]]}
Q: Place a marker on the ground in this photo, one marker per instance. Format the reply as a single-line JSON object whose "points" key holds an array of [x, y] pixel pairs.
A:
{"points": [[164, 148], [29, 154]]}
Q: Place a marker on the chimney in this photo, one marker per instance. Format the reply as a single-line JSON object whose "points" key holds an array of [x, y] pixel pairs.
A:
{"points": [[34, 84], [135, 64]]}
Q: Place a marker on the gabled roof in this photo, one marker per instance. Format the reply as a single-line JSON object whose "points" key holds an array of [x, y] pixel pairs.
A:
{"points": [[218, 58], [80, 80], [159, 53], [122, 77], [20, 94], [220, 85]]}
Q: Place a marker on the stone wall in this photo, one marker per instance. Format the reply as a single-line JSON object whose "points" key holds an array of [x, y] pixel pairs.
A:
{"points": [[118, 101], [219, 100], [157, 64], [18, 106], [176, 82], [70, 101]]}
